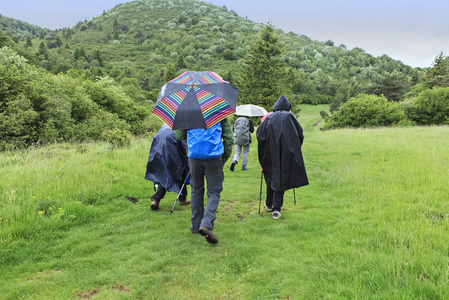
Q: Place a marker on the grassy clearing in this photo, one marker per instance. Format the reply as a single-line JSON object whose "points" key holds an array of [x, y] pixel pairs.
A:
{"points": [[373, 223]]}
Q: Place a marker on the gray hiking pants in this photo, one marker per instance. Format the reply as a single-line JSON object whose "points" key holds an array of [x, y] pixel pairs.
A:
{"points": [[212, 169], [238, 151]]}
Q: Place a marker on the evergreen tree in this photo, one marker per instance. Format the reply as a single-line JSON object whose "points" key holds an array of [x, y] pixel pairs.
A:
{"points": [[97, 55], [4, 40], [43, 50], [181, 64], [440, 66], [392, 85], [263, 70], [170, 73], [29, 42]]}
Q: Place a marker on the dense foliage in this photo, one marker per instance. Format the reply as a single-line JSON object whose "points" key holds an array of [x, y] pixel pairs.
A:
{"points": [[37, 107], [367, 111], [19, 30], [141, 39], [115, 64], [430, 107]]}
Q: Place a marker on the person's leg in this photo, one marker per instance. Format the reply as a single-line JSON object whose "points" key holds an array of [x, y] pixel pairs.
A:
{"points": [[245, 156], [197, 192], [269, 200], [160, 193], [238, 150], [156, 198], [278, 200], [183, 195], [214, 179]]}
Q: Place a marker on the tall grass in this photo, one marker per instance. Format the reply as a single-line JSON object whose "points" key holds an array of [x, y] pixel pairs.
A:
{"points": [[373, 223]]}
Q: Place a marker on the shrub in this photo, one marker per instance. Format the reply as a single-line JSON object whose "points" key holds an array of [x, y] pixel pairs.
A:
{"points": [[368, 111], [430, 107], [117, 137]]}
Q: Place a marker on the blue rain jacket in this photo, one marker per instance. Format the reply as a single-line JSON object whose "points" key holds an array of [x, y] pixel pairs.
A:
{"points": [[205, 144]]}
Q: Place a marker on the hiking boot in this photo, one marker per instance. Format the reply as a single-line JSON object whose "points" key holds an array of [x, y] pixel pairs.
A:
{"points": [[232, 166], [154, 205], [244, 168], [208, 233], [276, 214], [268, 209], [193, 230], [185, 202]]}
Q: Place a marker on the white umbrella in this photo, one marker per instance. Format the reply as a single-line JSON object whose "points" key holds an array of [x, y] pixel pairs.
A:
{"points": [[250, 110]]}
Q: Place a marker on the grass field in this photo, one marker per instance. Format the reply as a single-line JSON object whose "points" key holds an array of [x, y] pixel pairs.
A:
{"points": [[372, 224]]}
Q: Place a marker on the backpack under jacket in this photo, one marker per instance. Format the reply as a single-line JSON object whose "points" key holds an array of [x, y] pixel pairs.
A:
{"points": [[242, 135]]}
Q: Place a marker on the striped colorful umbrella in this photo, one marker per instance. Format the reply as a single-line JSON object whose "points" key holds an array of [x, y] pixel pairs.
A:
{"points": [[195, 100]]}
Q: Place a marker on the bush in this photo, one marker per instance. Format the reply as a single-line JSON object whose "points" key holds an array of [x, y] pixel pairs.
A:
{"points": [[117, 138], [430, 107], [368, 111]]}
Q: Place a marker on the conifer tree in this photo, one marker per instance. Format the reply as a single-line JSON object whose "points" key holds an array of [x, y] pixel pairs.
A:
{"points": [[43, 50], [170, 73], [29, 42], [263, 71], [181, 63]]}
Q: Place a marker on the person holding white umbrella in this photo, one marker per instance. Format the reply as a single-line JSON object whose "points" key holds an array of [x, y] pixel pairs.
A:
{"points": [[243, 127]]}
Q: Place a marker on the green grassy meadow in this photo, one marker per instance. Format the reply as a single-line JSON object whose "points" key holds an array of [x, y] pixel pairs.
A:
{"points": [[372, 224]]}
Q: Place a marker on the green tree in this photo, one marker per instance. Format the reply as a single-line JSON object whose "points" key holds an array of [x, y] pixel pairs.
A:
{"points": [[181, 64], [170, 73], [392, 85], [4, 39], [43, 50], [430, 107], [263, 70], [29, 42], [96, 54], [440, 66]]}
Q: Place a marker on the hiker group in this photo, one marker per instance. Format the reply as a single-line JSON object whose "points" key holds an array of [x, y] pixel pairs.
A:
{"points": [[181, 156]]}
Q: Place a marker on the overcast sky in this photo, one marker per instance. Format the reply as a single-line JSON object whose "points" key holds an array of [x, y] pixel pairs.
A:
{"points": [[413, 31]]}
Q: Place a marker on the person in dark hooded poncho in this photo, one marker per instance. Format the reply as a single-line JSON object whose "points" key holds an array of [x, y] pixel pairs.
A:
{"points": [[280, 137], [167, 166]]}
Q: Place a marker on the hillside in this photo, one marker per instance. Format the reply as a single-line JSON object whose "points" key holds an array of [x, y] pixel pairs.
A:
{"points": [[140, 40], [19, 29], [119, 60]]}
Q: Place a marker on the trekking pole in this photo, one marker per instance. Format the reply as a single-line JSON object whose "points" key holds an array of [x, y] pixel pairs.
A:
{"points": [[179, 194], [260, 194], [294, 196]]}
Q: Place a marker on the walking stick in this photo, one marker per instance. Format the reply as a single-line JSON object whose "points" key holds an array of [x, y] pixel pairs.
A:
{"points": [[179, 194], [260, 195], [294, 196]]}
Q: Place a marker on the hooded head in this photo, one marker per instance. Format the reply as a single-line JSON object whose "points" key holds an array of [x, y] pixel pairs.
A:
{"points": [[282, 104]]}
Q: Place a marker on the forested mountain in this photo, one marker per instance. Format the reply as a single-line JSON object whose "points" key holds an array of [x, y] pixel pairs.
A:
{"points": [[19, 30], [136, 47], [139, 40]]}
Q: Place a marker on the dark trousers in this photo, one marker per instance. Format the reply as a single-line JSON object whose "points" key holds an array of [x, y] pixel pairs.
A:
{"points": [[275, 199], [212, 170], [160, 193]]}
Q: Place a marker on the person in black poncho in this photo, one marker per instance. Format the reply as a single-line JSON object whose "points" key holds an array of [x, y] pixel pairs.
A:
{"points": [[280, 137], [167, 166]]}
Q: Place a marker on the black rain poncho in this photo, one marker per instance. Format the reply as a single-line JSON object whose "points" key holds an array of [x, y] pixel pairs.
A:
{"points": [[280, 137], [167, 162]]}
